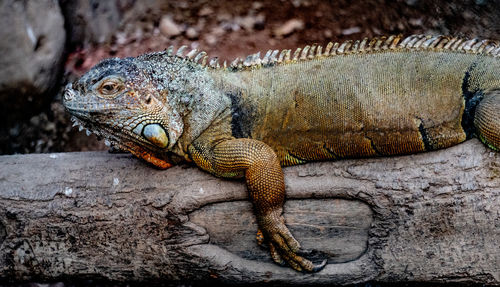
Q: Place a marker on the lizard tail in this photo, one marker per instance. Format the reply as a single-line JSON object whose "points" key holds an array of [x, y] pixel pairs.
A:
{"points": [[487, 119]]}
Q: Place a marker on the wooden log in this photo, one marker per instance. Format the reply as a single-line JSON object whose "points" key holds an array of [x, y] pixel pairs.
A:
{"points": [[431, 217]]}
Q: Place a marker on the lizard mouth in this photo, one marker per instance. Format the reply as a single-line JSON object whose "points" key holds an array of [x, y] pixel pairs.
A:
{"points": [[127, 142]]}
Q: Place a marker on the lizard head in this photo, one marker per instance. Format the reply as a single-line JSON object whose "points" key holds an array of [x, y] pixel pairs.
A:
{"points": [[121, 102]]}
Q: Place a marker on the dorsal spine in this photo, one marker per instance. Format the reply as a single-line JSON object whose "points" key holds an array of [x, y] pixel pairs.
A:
{"points": [[374, 45]]}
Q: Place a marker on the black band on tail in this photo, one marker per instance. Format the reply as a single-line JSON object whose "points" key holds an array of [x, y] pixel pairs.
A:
{"points": [[425, 136], [472, 99]]}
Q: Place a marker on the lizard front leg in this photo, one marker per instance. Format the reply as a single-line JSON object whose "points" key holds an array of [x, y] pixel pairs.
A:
{"points": [[258, 163], [487, 119]]}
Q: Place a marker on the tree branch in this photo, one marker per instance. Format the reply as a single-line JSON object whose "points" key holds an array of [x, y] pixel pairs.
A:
{"points": [[426, 217]]}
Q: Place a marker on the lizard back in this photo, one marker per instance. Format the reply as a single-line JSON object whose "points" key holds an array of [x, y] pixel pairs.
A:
{"points": [[361, 104]]}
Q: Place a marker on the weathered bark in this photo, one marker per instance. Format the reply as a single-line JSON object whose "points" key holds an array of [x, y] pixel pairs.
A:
{"points": [[426, 217]]}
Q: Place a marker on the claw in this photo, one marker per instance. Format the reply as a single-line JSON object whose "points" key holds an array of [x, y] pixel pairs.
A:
{"points": [[284, 247], [320, 266], [315, 255]]}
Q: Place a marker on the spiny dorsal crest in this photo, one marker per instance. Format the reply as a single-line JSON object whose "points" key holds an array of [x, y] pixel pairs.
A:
{"points": [[383, 43]]}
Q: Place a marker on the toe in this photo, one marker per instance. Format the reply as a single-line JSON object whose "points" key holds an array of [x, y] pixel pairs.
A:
{"points": [[275, 255]]}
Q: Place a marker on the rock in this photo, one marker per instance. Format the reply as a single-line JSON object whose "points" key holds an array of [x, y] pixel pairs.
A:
{"points": [[411, 2], [260, 21], [121, 38], [223, 17], [92, 22], [246, 22], [211, 39], [289, 27], [416, 22], [205, 11], [350, 31], [257, 5], [33, 39], [250, 22], [230, 26], [169, 28], [191, 33], [328, 33]]}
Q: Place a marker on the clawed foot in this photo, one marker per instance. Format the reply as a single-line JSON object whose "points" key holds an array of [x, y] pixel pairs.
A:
{"points": [[283, 247]]}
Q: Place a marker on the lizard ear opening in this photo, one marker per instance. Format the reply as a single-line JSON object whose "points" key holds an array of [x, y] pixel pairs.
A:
{"points": [[156, 135]]}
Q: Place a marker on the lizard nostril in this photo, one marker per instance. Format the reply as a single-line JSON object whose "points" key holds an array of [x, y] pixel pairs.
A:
{"points": [[69, 93]]}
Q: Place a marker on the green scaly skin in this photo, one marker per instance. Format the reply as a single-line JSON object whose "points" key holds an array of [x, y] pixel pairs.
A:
{"points": [[385, 96]]}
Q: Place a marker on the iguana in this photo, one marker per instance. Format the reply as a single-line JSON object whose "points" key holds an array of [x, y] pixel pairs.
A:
{"points": [[378, 97]]}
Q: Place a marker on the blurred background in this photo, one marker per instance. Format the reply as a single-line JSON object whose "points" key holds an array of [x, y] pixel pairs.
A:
{"points": [[46, 43]]}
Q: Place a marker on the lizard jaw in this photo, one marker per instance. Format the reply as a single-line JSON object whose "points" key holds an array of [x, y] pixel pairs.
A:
{"points": [[136, 150], [149, 157]]}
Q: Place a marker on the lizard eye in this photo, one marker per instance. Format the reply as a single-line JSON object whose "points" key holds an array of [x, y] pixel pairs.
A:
{"points": [[110, 88]]}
